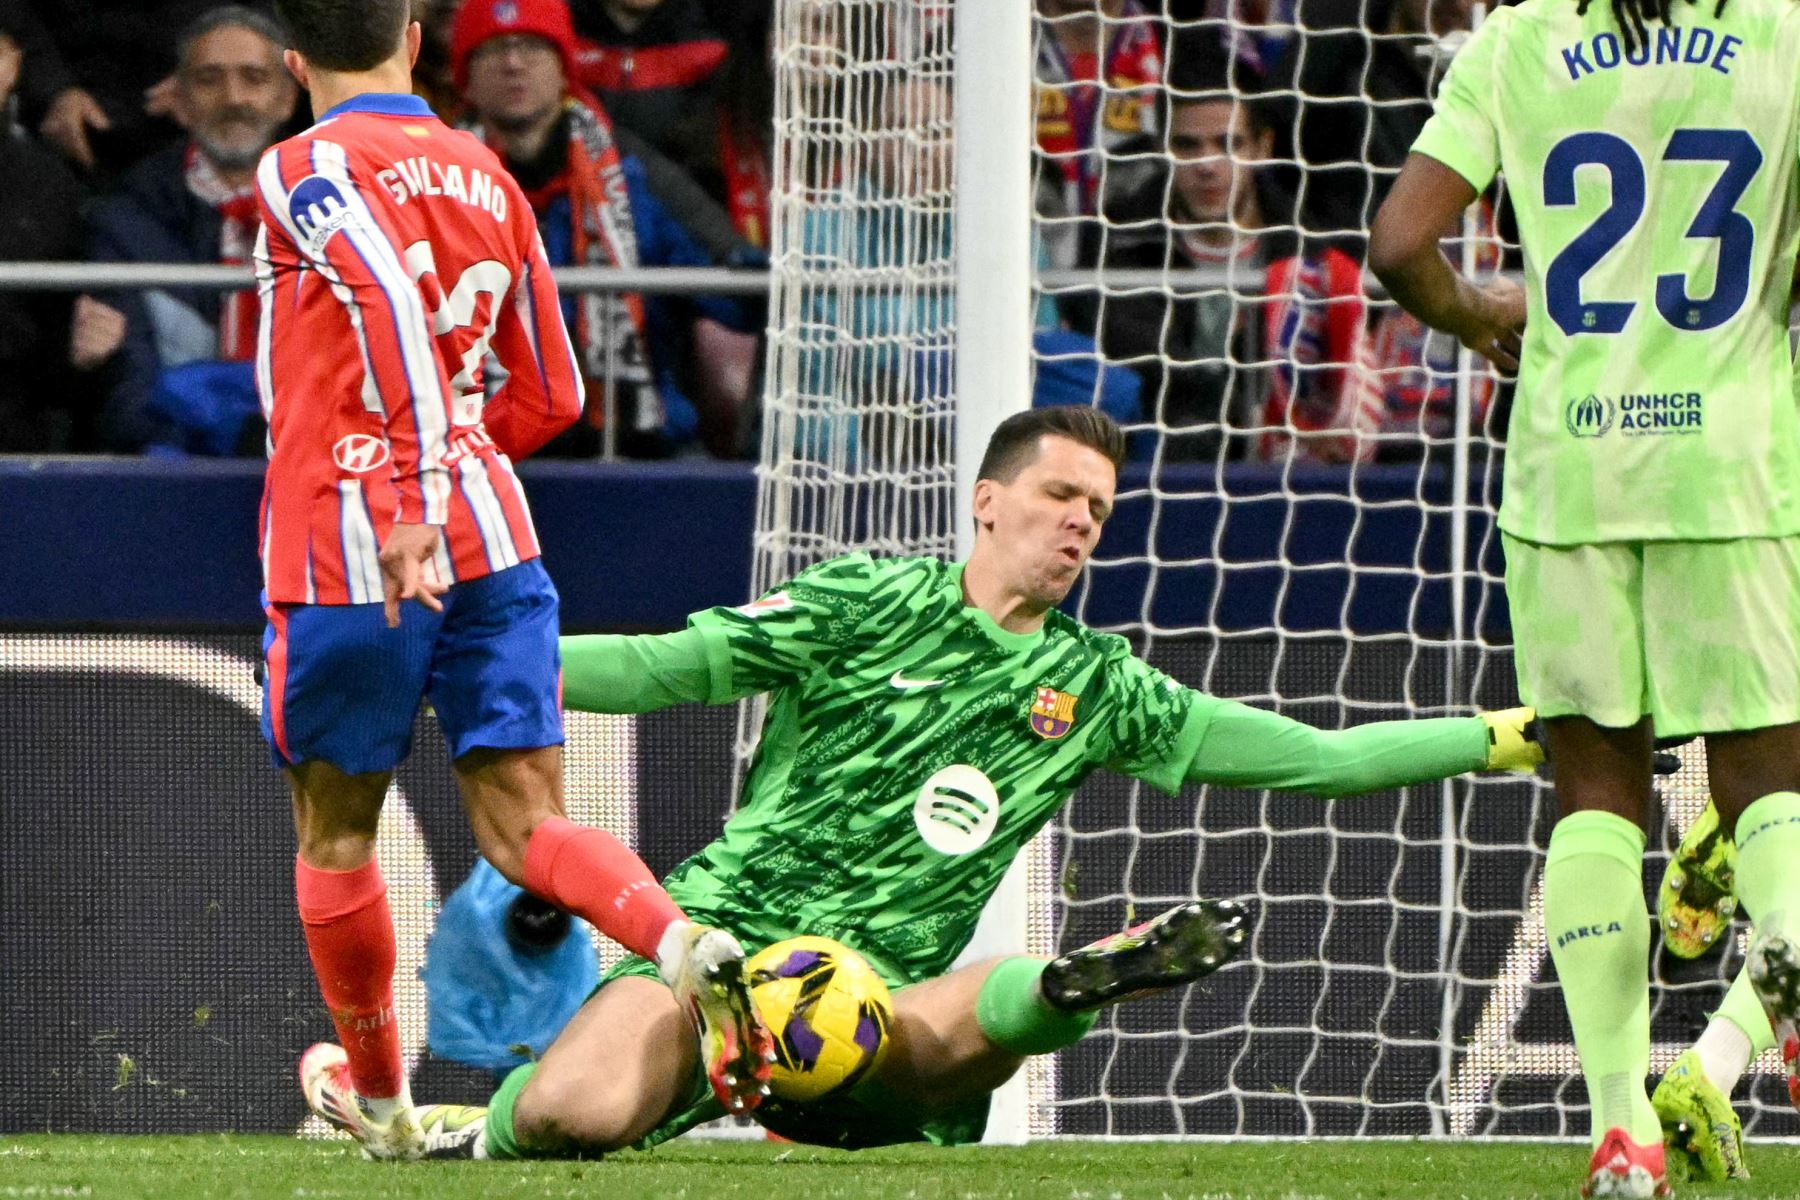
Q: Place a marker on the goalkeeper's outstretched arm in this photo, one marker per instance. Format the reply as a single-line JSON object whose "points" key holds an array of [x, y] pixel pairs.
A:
{"points": [[640, 673], [1248, 747]]}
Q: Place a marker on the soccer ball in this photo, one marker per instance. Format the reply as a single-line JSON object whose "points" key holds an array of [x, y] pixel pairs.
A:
{"points": [[828, 1011]]}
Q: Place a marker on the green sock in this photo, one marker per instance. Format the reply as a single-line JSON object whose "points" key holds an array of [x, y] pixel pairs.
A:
{"points": [[1768, 840], [502, 1142], [1016, 1017], [1599, 931], [1743, 1009]]}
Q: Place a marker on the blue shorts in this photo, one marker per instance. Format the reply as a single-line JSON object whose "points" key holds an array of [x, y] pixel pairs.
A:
{"points": [[340, 687]]}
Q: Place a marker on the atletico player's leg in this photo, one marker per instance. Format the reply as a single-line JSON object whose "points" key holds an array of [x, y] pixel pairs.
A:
{"points": [[495, 684], [343, 691]]}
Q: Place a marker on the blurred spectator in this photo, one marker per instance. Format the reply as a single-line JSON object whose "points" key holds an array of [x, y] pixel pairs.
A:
{"points": [[1251, 44], [1365, 92], [894, 345], [1265, 359], [692, 77], [678, 368], [1416, 367], [745, 99], [97, 83], [431, 73], [895, 214], [177, 362], [1098, 77], [40, 206], [1256, 35]]}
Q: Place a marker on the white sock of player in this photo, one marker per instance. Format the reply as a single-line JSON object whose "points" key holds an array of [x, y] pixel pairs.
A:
{"points": [[1725, 1053], [671, 946], [382, 1110]]}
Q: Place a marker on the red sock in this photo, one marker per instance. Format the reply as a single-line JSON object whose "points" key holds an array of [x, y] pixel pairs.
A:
{"points": [[350, 935], [597, 877]]}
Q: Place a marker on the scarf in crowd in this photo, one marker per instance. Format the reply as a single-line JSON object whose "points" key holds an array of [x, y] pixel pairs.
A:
{"points": [[746, 171], [1088, 103], [1324, 383], [609, 332], [238, 223]]}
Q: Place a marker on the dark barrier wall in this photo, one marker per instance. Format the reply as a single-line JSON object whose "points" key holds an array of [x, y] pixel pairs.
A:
{"points": [[146, 543], [152, 973]]}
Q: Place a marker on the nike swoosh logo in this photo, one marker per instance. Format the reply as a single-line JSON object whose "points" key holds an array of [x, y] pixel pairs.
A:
{"points": [[904, 684]]}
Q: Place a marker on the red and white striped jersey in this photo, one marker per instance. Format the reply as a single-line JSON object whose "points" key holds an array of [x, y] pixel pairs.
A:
{"points": [[395, 254]]}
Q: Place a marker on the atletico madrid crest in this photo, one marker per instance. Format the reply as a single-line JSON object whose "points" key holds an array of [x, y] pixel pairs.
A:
{"points": [[1052, 713]]}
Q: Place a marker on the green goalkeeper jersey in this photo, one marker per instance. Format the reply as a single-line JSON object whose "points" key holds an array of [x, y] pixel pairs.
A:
{"points": [[1656, 199], [911, 748]]}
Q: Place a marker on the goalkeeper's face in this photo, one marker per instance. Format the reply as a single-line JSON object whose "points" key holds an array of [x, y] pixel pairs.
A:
{"points": [[1040, 528]]}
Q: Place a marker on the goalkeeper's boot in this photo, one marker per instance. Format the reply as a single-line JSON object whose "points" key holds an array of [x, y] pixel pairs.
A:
{"points": [[1696, 901], [1775, 974], [325, 1080], [706, 973], [1701, 1131], [1184, 944], [1620, 1167]]}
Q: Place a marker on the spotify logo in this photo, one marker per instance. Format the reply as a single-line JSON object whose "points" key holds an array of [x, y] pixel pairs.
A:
{"points": [[957, 810]]}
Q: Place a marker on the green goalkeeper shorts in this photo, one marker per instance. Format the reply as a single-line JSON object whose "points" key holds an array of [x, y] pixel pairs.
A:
{"points": [[865, 1118], [1703, 637]]}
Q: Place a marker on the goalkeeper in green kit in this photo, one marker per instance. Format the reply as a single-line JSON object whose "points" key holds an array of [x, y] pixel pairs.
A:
{"points": [[1652, 494], [895, 684]]}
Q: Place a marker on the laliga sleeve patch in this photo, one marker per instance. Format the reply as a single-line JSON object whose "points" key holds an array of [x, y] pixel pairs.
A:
{"points": [[318, 210]]}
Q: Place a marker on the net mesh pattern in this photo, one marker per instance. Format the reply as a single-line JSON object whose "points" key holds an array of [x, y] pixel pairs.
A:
{"points": [[1306, 524]]}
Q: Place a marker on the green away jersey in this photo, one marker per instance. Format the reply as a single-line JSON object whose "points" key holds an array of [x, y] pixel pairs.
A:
{"points": [[910, 749], [1656, 198]]}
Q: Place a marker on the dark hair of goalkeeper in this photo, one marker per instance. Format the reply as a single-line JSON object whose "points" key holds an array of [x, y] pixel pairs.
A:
{"points": [[1015, 443]]}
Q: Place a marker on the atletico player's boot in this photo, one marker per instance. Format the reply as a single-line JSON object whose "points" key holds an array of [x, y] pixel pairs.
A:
{"points": [[1186, 943], [325, 1081], [704, 967], [436, 1130]]}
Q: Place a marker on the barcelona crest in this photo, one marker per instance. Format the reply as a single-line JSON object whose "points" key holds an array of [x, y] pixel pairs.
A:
{"points": [[1052, 713]]}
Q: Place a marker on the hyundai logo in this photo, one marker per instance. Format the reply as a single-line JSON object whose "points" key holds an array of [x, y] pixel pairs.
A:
{"points": [[359, 452]]}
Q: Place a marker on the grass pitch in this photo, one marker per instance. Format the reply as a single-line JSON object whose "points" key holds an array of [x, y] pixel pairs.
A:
{"points": [[215, 1167]]}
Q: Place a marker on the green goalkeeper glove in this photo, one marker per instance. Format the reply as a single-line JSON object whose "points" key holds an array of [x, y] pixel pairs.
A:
{"points": [[1515, 739]]}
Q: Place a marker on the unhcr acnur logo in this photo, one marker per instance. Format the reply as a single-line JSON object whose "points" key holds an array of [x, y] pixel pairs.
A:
{"points": [[1589, 416]]}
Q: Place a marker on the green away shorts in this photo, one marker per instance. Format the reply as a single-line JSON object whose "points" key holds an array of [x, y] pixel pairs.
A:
{"points": [[866, 1118], [1704, 637]]}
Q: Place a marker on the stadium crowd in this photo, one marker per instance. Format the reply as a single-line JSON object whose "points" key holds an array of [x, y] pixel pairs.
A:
{"points": [[1250, 137]]}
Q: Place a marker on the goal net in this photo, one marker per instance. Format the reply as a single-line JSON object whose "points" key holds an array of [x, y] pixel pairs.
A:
{"points": [[1306, 524]]}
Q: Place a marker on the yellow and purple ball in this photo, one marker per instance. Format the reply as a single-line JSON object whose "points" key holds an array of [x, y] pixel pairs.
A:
{"points": [[829, 1011]]}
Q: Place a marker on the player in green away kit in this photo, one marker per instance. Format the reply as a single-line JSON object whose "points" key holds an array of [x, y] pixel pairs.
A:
{"points": [[894, 684], [1652, 491]]}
